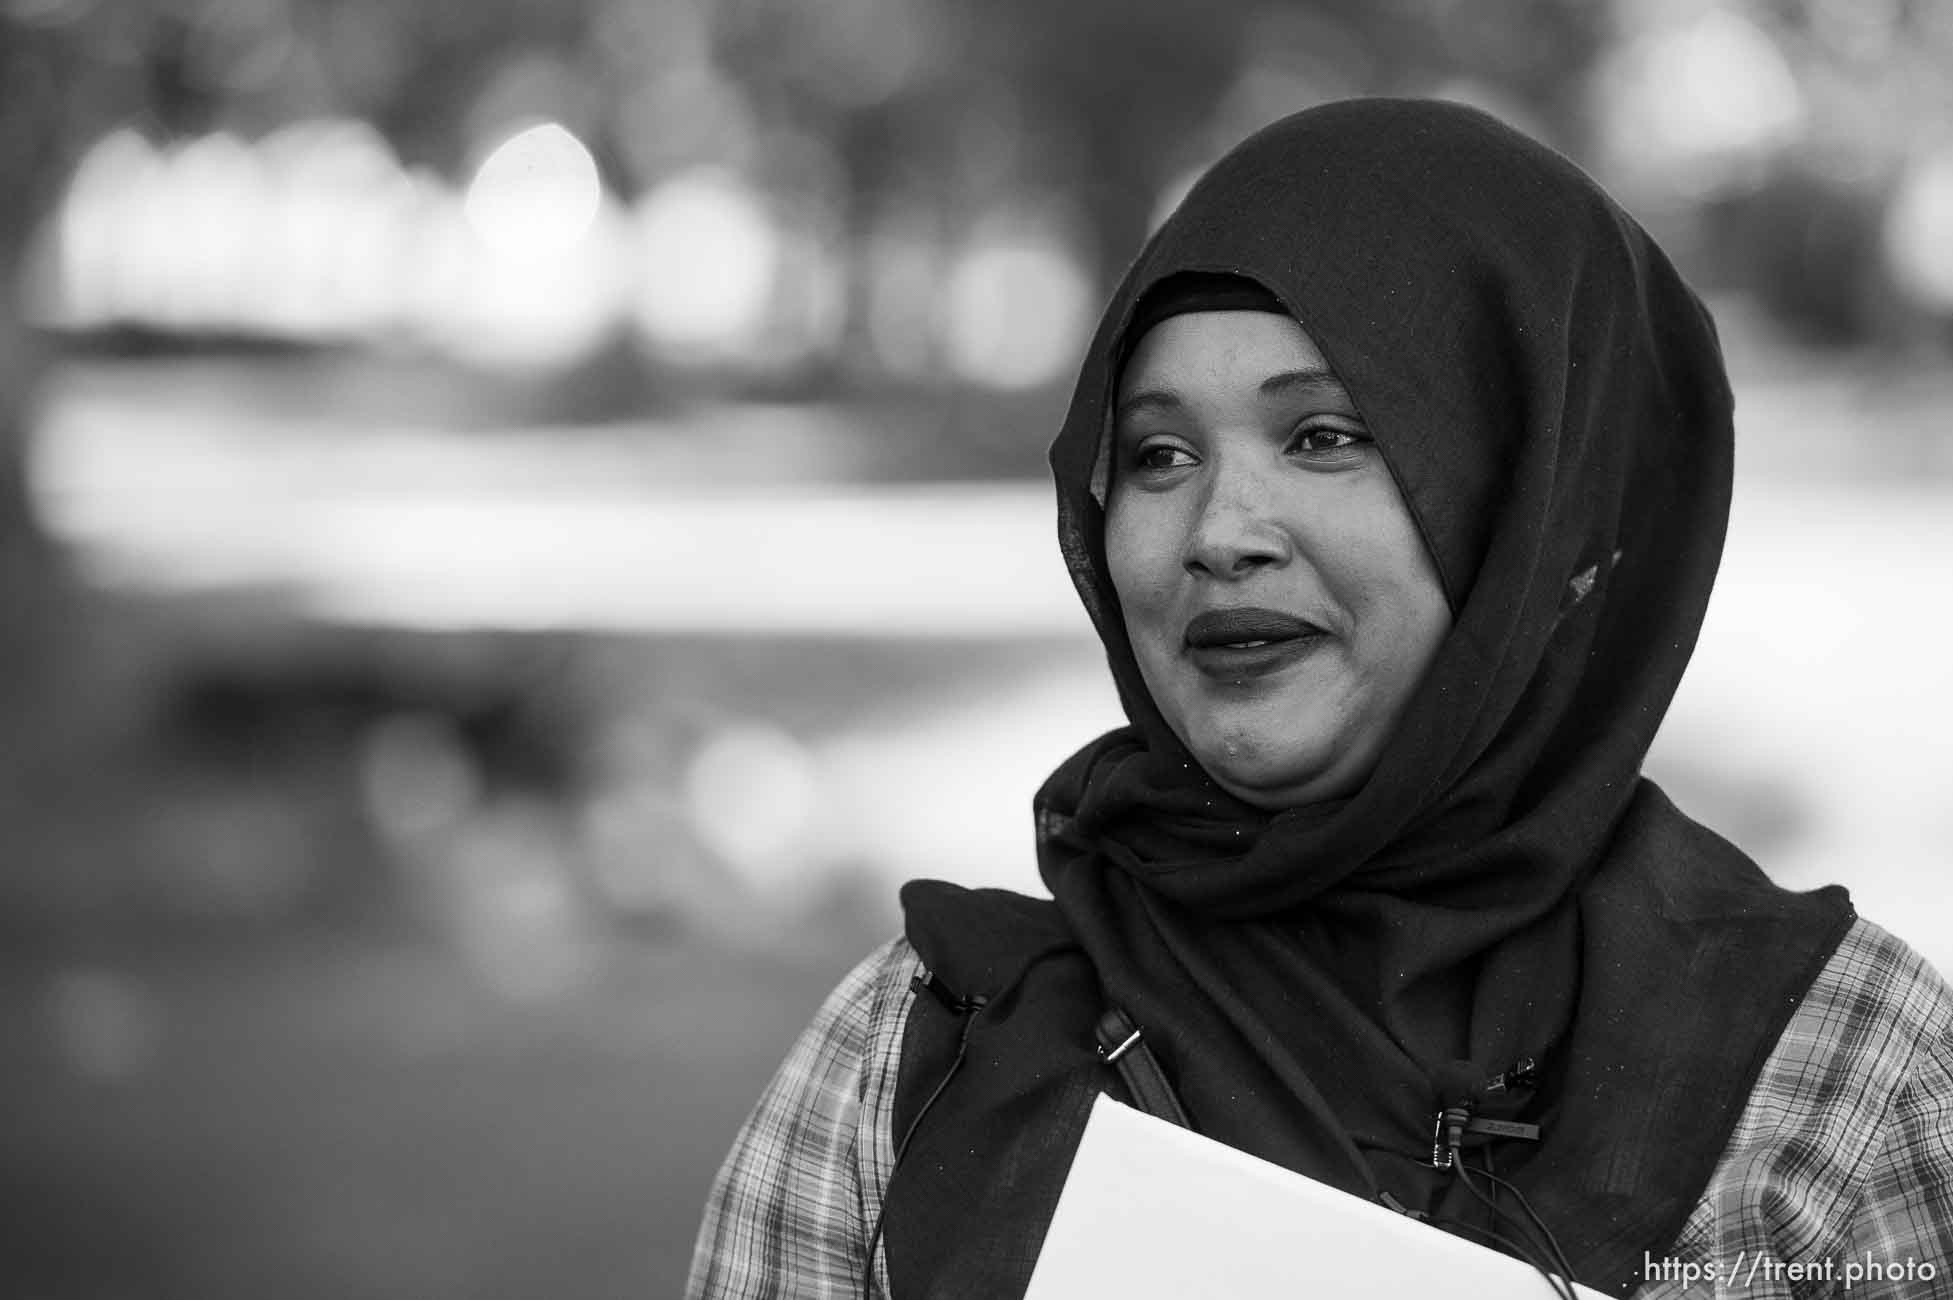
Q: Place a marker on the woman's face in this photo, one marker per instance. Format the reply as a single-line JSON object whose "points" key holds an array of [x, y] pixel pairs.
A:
{"points": [[1278, 596]]}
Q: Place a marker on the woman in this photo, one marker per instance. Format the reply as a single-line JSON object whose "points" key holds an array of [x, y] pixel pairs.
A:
{"points": [[1395, 483]]}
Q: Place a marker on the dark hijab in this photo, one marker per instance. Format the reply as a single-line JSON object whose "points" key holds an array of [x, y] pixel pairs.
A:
{"points": [[1551, 400]]}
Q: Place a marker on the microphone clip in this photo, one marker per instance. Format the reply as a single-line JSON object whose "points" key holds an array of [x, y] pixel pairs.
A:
{"points": [[927, 982], [1457, 1122], [1522, 1073]]}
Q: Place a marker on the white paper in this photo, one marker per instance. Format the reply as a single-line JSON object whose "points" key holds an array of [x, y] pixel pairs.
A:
{"points": [[1151, 1211]]}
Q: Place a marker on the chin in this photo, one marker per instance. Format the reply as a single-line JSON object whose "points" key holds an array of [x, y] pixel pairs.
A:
{"points": [[1271, 778]]}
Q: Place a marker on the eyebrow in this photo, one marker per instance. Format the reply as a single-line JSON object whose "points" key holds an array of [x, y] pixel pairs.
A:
{"points": [[1312, 379]]}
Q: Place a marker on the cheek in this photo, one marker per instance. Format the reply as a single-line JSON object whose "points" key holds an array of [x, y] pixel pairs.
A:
{"points": [[1406, 614], [1141, 560], [1377, 568]]}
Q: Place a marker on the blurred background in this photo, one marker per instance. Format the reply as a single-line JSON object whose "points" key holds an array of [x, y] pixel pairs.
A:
{"points": [[522, 520]]}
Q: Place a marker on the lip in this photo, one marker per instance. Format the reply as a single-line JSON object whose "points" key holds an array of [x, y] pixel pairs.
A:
{"points": [[1218, 628], [1248, 641]]}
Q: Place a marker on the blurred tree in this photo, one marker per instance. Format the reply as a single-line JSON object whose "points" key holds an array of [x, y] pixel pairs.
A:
{"points": [[1808, 245], [70, 70], [37, 68], [1100, 102], [1099, 105], [1146, 91]]}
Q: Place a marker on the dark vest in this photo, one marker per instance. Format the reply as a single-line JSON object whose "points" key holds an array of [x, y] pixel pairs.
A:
{"points": [[966, 1210], [1666, 953]]}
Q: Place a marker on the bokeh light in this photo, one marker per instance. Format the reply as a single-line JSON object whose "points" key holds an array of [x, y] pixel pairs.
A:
{"points": [[1919, 232], [751, 791], [1017, 306], [1697, 106], [536, 194], [521, 303], [316, 232], [708, 256], [95, 219], [328, 260]]}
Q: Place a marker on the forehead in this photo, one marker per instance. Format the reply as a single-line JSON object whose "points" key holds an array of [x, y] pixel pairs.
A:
{"points": [[1207, 348]]}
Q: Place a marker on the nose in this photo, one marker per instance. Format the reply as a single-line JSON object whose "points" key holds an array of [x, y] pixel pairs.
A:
{"points": [[1235, 531]]}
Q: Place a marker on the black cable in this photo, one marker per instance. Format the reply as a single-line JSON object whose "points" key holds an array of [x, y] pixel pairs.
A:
{"points": [[1552, 1242], [969, 1008], [1562, 1283], [1491, 1171], [902, 1149], [1453, 1122], [1525, 1248]]}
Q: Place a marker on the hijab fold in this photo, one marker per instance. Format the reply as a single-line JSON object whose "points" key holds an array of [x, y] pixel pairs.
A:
{"points": [[1550, 398]]}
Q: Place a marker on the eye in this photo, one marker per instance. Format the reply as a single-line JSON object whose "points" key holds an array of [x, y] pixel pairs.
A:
{"points": [[1327, 441], [1157, 456]]}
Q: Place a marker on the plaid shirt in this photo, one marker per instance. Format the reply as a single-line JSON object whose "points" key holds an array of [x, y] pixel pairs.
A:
{"points": [[1838, 1178]]}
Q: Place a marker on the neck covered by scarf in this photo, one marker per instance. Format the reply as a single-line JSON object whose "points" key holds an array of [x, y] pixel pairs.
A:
{"points": [[1551, 400]]}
